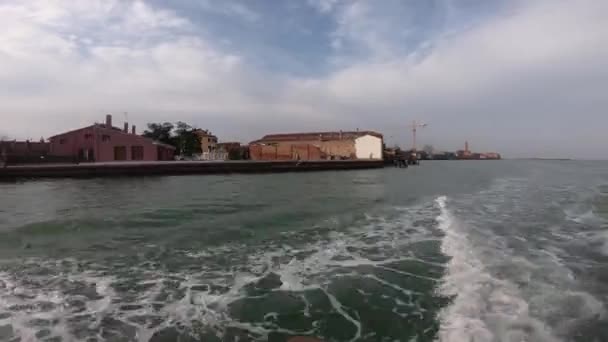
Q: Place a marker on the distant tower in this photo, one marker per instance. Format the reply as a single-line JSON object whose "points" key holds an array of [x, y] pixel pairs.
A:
{"points": [[466, 146]]}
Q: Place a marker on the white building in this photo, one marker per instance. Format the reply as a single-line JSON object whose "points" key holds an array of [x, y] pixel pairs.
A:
{"points": [[362, 145], [368, 147]]}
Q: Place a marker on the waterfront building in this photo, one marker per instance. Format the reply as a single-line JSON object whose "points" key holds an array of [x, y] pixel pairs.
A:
{"points": [[208, 140], [106, 143], [319, 146]]}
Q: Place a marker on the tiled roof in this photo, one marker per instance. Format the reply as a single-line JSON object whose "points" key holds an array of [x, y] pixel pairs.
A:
{"points": [[316, 136], [97, 125]]}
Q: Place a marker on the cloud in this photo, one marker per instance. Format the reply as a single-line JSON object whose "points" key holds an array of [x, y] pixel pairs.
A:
{"points": [[323, 6], [54, 72], [519, 80], [229, 8]]}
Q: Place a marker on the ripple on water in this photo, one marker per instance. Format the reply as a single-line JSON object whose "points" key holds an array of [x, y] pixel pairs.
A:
{"points": [[336, 286]]}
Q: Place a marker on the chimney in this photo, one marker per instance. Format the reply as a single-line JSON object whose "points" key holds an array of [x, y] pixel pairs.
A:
{"points": [[133, 129], [108, 121], [126, 127]]}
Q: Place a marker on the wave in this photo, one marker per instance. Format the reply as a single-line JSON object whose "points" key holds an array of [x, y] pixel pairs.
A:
{"points": [[334, 273], [585, 217], [484, 308]]}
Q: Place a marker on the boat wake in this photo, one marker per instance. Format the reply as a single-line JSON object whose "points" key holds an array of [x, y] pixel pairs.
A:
{"points": [[484, 308], [240, 292]]}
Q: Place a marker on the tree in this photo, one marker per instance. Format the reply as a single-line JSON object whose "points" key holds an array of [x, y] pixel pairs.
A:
{"points": [[180, 135], [186, 140], [160, 132], [235, 154]]}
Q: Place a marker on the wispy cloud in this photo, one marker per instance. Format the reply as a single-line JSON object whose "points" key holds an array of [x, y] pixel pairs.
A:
{"points": [[512, 78], [230, 8], [323, 6]]}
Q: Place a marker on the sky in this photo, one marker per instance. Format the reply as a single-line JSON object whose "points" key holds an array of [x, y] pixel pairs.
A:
{"points": [[527, 78]]}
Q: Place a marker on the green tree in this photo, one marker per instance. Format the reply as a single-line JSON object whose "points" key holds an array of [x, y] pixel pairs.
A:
{"points": [[161, 132], [235, 154], [180, 135], [186, 140]]}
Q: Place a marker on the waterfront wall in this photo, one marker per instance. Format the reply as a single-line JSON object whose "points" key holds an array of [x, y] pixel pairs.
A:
{"points": [[179, 168]]}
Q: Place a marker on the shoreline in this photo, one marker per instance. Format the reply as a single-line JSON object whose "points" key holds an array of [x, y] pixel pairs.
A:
{"points": [[124, 169]]}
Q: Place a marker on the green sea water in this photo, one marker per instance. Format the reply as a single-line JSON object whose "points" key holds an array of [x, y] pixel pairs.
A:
{"points": [[447, 251]]}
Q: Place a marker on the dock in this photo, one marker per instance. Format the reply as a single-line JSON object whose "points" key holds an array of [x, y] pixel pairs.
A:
{"points": [[123, 169]]}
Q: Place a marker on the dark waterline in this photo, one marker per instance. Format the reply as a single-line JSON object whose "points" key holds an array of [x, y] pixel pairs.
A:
{"points": [[455, 251]]}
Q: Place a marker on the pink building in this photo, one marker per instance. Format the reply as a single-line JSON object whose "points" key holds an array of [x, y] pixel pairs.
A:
{"points": [[105, 143]]}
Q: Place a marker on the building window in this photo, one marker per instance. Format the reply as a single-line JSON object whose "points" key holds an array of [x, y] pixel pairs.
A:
{"points": [[88, 136], [62, 141], [105, 137], [137, 153], [120, 153]]}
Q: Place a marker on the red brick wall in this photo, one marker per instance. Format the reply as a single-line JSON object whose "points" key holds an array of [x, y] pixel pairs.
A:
{"points": [[327, 148], [306, 152], [285, 151], [257, 152]]}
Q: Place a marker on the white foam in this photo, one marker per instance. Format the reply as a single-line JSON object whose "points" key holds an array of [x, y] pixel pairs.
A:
{"points": [[484, 308], [290, 278], [185, 299], [103, 288], [24, 295], [338, 307], [604, 237], [587, 217]]}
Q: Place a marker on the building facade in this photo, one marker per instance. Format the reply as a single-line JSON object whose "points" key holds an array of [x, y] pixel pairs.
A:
{"points": [[319, 146], [106, 143], [208, 140]]}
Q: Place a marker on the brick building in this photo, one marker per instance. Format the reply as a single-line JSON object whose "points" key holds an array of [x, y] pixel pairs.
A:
{"points": [[104, 143], [318, 146]]}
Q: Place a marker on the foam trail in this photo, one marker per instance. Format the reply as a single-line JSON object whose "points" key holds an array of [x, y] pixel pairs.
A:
{"points": [[484, 309], [338, 307], [460, 321]]}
